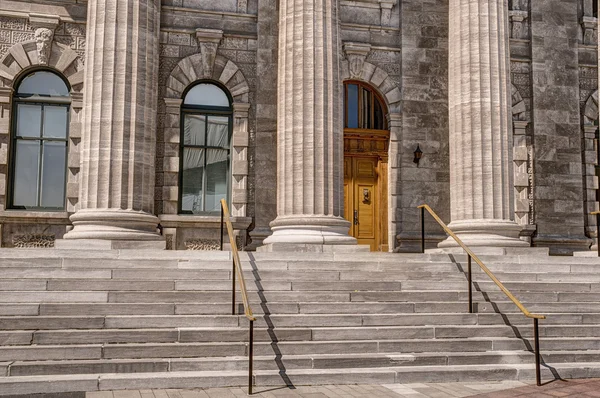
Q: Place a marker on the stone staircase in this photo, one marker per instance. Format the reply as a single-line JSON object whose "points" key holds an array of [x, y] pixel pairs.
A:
{"points": [[88, 320]]}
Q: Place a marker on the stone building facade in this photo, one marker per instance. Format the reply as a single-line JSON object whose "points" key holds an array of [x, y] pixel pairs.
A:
{"points": [[507, 121]]}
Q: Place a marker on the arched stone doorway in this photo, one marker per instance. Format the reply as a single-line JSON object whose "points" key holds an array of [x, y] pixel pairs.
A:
{"points": [[366, 144]]}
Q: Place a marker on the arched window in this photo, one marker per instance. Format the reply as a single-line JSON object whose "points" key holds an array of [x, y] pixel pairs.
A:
{"points": [[363, 108], [205, 149], [40, 131]]}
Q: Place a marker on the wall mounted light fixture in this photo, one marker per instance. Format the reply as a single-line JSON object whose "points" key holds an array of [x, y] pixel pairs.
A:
{"points": [[418, 155]]}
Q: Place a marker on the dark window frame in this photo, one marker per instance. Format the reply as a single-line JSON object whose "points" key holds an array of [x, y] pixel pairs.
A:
{"points": [[42, 101], [207, 111]]}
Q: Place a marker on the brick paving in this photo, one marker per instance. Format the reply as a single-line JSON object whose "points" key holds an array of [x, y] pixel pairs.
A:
{"points": [[507, 389]]}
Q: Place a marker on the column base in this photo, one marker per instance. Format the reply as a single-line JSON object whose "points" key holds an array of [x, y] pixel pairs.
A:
{"points": [[114, 224], [310, 230], [486, 233]]}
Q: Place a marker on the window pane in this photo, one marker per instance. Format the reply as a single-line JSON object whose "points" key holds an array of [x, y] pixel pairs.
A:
{"points": [[26, 173], [206, 94], [194, 130], [352, 106], [366, 109], [193, 174], [29, 120], [216, 178], [43, 83], [55, 121], [379, 124], [53, 174], [218, 131]]}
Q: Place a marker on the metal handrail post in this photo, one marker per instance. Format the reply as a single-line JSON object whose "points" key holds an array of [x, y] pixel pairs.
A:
{"points": [[470, 286], [233, 289], [422, 230], [536, 334], [222, 216], [250, 357], [598, 232]]}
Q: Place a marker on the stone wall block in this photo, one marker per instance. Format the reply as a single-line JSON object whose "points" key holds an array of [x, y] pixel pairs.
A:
{"points": [[171, 164], [3, 154], [379, 75], [228, 72]]}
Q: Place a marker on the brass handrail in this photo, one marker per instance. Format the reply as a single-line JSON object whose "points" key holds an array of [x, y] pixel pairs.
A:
{"points": [[237, 271], [489, 273]]}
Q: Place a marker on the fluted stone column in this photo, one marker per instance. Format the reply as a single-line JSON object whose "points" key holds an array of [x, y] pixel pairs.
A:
{"points": [[310, 194], [118, 141], [481, 171]]}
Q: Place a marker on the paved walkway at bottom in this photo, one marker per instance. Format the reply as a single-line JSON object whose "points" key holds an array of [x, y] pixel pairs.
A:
{"points": [[506, 389]]}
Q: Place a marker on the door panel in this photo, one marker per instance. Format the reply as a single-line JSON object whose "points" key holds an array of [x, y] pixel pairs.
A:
{"points": [[361, 199]]}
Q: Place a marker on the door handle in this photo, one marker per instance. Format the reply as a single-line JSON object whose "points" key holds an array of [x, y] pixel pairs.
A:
{"points": [[355, 217]]}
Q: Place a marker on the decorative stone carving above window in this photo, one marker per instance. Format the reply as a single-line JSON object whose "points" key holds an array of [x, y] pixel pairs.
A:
{"points": [[590, 30], [386, 11], [518, 22], [209, 40], [44, 26], [356, 53], [242, 6]]}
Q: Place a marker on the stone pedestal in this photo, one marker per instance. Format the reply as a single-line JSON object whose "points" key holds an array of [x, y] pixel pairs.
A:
{"points": [[310, 192], [118, 141], [481, 164]]}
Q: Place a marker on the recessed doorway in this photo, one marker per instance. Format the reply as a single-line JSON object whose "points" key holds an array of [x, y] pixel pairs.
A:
{"points": [[366, 144]]}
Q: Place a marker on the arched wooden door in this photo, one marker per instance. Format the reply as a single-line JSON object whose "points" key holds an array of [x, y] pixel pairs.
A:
{"points": [[366, 143]]}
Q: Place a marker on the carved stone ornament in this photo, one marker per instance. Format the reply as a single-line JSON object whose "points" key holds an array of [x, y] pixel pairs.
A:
{"points": [[209, 40], [242, 6], [43, 41], [386, 11], [44, 26], [356, 53], [517, 19]]}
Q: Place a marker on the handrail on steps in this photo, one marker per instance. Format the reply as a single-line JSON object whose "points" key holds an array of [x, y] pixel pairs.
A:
{"points": [[493, 277], [237, 271]]}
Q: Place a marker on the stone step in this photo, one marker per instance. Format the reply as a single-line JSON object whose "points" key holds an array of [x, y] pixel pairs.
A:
{"points": [[289, 308], [289, 362], [289, 320], [165, 380]]}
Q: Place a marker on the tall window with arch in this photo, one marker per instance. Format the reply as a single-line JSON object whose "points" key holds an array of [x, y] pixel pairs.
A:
{"points": [[205, 149], [40, 133]]}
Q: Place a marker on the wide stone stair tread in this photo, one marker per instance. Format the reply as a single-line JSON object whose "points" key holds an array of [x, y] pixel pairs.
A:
{"points": [[122, 319], [166, 380]]}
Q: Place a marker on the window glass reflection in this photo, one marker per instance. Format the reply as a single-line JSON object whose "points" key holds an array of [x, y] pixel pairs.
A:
{"points": [[25, 190], [194, 130], [192, 180], [29, 120], [216, 178], [206, 95], [352, 106], [55, 121], [43, 83], [54, 163]]}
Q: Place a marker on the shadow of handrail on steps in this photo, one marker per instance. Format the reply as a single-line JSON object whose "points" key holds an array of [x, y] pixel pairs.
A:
{"points": [[505, 319], [270, 326]]}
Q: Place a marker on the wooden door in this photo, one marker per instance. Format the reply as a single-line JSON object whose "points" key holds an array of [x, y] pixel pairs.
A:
{"points": [[362, 201]]}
